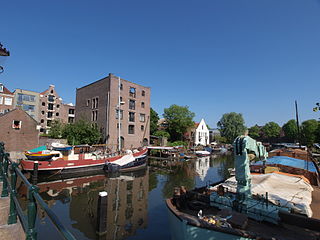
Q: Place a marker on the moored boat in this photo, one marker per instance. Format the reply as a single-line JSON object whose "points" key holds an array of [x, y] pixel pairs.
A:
{"points": [[78, 159], [258, 206]]}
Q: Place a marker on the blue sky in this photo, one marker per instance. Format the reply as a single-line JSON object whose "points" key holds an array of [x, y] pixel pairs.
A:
{"points": [[247, 56]]}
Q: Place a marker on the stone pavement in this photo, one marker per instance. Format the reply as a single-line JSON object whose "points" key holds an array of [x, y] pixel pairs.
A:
{"points": [[12, 231]]}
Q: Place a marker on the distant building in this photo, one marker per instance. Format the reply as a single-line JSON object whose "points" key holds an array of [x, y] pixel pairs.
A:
{"points": [[18, 130], [213, 134], [27, 101], [162, 124], [52, 108], [201, 134], [98, 103], [6, 99]]}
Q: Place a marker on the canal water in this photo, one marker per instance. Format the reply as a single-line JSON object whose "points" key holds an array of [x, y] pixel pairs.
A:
{"points": [[135, 208]]}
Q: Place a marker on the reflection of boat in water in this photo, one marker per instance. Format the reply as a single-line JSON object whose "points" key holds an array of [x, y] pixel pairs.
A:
{"points": [[80, 159], [275, 205], [78, 197]]}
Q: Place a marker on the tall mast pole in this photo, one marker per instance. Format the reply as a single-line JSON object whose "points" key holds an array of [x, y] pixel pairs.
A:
{"points": [[298, 127], [119, 122]]}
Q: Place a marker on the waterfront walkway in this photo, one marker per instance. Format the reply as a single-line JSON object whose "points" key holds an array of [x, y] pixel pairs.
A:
{"points": [[12, 231]]}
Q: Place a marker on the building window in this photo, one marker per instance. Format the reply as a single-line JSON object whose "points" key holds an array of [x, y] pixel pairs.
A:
{"points": [[1, 88], [57, 114], [121, 86], [94, 116], [131, 129], [49, 115], [118, 125], [142, 127], [143, 93], [26, 97], [117, 114], [49, 123], [142, 104], [88, 102], [8, 101], [70, 119], [43, 103], [42, 112], [50, 98], [42, 120], [94, 103], [1, 100], [132, 92], [41, 130], [131, 116], [132, 104], [51, 91], [142, 117], [71, 111], [58, 105], [16, 124], [50, 106], [28, 108]]}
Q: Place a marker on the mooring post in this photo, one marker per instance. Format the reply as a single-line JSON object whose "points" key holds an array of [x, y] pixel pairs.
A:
{"points": [[102, 213], [35, 173], [13, 210], [32, 213], [5, 175]]}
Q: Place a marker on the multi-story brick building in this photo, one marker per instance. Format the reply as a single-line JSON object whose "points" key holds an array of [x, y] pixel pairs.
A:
{"points": [[6, 99], [51, 108], [28, 101], [98, 103]]}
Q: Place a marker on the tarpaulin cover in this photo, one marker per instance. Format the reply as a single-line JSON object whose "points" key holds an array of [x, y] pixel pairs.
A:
{"points": [[289, 161], [38, 149], [288, 191]]}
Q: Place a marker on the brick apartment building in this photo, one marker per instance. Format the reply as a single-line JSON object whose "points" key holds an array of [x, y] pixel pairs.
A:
{"points": [[6, 99], [18, 130], [98, 103], [51, 107]]}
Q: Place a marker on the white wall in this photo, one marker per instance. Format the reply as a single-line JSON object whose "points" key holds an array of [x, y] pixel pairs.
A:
{"points": [[202, 134]]}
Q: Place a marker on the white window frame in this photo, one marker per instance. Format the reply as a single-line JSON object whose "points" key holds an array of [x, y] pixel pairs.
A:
{"points": [[7, 99]]}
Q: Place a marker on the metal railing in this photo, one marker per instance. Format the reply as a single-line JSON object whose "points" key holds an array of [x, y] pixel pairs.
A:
{"points": [[34, 199]]}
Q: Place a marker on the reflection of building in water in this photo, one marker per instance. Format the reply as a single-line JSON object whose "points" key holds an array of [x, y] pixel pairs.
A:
{"points": [[127, 203], [202, 166]]}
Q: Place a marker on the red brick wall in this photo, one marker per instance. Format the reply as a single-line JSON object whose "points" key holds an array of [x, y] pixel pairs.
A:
{"points": [[23, 139]]}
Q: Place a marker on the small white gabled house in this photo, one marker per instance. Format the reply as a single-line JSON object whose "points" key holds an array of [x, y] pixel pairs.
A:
{"points": [[201, 135]]}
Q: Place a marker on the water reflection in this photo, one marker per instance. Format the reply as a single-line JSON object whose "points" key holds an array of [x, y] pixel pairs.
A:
{"points": [[135, 208], [126, 208]]}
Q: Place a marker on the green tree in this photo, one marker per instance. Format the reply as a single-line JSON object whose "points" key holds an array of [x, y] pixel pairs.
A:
{"points": [[254, 132], [309, 132], [231, 125], [271, 130], [56, 129], [162, 133], [154, 118], [179, 119], [81, 132], [290, 130]]}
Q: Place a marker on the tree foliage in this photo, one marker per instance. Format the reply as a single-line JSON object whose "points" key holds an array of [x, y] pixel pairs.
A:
{"points": [[254, 132], [154, 118], [162, 133], [231, 125], [271, 130], [309, 132], [81, 132], [56, 129], [290, 130], [179, 119]]}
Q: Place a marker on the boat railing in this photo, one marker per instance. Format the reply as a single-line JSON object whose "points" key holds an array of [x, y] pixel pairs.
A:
{"points": [[9, 173]]}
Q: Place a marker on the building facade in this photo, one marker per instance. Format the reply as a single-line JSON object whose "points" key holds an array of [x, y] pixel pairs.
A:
{"points": [[27, 101], [98, 103], [19, 131], [6, 99], [51, 107], [199, 134]]}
